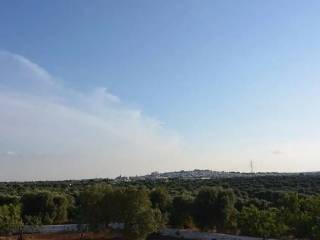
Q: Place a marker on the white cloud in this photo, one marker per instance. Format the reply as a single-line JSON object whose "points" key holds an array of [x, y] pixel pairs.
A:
{"points": [[103, 95], [60, 133], [49, 131], [27, 71]]}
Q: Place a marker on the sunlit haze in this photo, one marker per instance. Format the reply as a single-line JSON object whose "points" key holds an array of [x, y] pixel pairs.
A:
{"points": [[106, 88]]}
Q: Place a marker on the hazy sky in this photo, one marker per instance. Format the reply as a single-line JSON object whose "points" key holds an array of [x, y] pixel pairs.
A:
{"points": [[102, 88]]}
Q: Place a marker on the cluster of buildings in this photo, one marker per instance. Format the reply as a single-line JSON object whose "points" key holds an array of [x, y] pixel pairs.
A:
{"points": [[199, 174]]}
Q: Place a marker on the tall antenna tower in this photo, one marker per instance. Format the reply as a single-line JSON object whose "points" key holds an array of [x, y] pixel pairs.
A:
{"points": [[251, 166]]}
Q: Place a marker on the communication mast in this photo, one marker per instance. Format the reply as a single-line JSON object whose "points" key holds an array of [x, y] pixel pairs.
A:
{"points": [[251, 166]]}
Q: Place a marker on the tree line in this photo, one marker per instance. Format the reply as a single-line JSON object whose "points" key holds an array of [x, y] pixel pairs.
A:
{"points": [[145, 207]]}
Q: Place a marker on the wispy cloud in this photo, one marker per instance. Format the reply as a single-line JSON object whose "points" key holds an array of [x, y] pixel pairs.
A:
{"points": [[62, 133], [26, 70], [277, 152]]}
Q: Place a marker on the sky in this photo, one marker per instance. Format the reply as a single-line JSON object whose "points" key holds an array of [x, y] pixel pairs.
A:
{"points": [[106, 88]]}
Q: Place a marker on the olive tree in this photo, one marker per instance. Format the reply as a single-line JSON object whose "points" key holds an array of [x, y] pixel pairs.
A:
{"points": [[214, 209], [10, 218]]}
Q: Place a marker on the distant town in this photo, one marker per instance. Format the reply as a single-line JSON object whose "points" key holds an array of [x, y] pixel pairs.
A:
{"points": [[206, 174]]}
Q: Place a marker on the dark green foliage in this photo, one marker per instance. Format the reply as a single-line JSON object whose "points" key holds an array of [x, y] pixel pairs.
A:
{"points": [[307, 220], [50, 208], [8, 199], [131, 206], [213, 208], [139, 218], [160, 199], [181, 212], [261, 223], [293, 202], [90, 203], [10, 219]]}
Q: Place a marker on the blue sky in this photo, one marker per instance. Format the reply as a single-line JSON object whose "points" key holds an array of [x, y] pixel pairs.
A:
{"points": [[232, 80]]}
